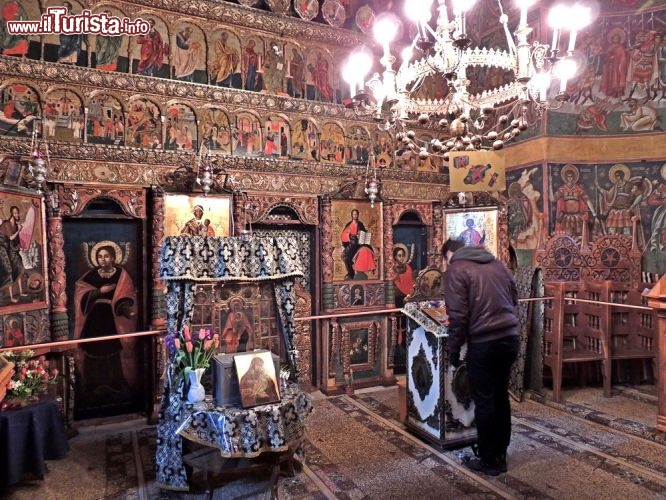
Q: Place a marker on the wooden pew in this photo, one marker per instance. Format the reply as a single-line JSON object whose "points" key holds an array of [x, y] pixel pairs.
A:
{"points": [[573, 334], [632, 331]]}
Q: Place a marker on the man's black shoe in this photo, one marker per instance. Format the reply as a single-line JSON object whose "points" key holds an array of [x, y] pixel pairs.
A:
{"points": [[477, 465], [501, 463]]}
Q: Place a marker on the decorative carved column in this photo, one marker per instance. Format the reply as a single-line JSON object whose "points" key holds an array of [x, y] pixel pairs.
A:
{"points": [[239, 212], [389, 269], [158, 306], [327, 253], [302, 337], [657, 300], [503, 234], [438, 233], [57, 278]]}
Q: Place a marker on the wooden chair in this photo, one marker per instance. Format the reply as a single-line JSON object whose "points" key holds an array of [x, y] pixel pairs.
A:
{"points": [[633, 332], [572, 334]]}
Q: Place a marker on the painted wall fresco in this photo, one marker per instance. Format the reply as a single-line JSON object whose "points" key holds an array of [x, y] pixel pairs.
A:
{"points": [[189, 53], [67, 49], [144, 127], [224, 60], [277, 134], [524, 199], [596, 198], [181, 128], [110, 53], [63, 118], [621, 86], [305, 141], [105, 122], [20, 105], [183, 51], [216, 130], [150, 53]]}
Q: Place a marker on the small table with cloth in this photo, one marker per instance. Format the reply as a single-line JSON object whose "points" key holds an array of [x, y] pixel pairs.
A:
{"points": [[29, 435]]}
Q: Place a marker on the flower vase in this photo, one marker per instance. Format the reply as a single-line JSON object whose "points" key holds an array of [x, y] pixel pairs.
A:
{"points": [[196, 393]]}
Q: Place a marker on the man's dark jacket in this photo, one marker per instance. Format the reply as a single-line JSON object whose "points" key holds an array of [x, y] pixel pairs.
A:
{"points": [[480, 297]]}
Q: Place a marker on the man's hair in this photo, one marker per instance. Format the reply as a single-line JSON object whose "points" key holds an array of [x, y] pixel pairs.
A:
{"points": [[451, 245]]}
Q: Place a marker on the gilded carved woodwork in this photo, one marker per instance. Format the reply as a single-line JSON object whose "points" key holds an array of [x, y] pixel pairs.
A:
{"points": [[435, 189], [74, 199], [240, 203], [438, 236], [56, 255], [334, 334], [158, 316], [390, 354], [389, 220], [259, 206], [374, 295], [41, 75], [302, 336], [327, 240], [237, 15], [99, 164]]}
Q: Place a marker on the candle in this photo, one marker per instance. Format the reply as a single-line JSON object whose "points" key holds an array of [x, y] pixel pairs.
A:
{"points": [[556, 36], [572, 42]]}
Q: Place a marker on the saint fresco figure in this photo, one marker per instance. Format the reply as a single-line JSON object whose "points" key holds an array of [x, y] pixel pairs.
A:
{"points": [[107, 49], [571, 203], [105, 304], [13, 45], [153, 50], [350, 244], [12, 270], [297, 72], [188, 53], [319, 72], [70, 45], [251, 65], [195, 226], [619, 201], [404, 279], [470, 236], [225, 63]]}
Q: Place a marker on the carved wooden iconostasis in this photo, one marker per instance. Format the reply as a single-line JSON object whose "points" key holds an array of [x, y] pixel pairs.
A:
{"points": [[360, 273], [297, 219]]}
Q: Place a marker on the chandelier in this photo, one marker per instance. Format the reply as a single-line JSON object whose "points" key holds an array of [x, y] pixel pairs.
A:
{"points": [[466, 121]]}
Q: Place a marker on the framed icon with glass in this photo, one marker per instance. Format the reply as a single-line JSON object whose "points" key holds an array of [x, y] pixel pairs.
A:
{"points": [[476, 227]]}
